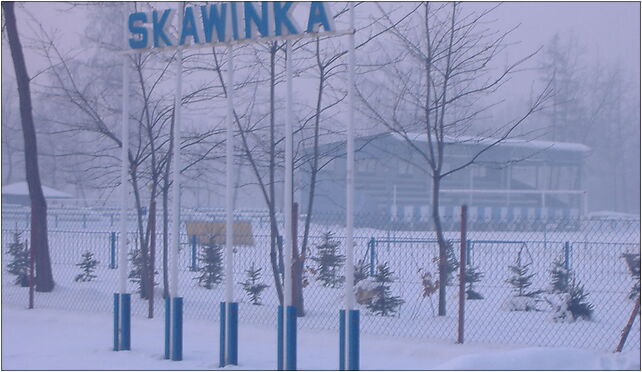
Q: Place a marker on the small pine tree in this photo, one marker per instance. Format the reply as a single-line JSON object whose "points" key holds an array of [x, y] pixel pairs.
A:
{"points": [[452, 262], [19, 265], [361, 271], [88, 267], [578, 304], [472, 276], [329, 261], [136, 271], [522, 280], [384, 303], [252, 285], [211, 264], [560, 276]]}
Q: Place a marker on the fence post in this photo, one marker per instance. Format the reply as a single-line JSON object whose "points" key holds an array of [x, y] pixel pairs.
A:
{"points": [[112, 251], [567, 256], [84, 220], [373, 254], [193, 243], [462, 276]]}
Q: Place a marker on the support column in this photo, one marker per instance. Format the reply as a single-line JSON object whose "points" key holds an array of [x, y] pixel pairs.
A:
{"points": [[349, 317], [122, 299], [228, 353], [286, 323], [174, 304]]}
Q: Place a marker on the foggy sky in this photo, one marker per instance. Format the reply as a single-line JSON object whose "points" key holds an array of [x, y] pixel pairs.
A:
{"points": [[610, 30]]}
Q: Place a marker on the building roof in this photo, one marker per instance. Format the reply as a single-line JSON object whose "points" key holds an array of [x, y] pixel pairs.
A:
{"points": [[21, 188], [521, 143]]}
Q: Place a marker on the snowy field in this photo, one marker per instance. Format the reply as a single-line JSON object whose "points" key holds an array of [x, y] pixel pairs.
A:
{"points": [[45, 339]]}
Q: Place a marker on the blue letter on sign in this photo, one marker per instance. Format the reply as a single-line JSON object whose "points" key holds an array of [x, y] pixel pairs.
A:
{"points": [[318, 16], [259, 22], [159, 27], [282, 14], [140, 39], [212, 19], [189, 27]]}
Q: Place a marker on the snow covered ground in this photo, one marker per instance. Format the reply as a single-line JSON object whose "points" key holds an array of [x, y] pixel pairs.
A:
{"points": [[54, 339]]}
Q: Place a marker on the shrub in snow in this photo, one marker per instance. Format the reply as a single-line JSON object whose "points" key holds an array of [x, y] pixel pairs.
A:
{"points": [[567, 299], [570, 306], [136, 272], [524, 299], [430, 287], [559, 305], [365, 291], [211, 264], [253, 285], [472, 276], [560, 276], [452, 264], [329, 261], [19, 264], [88, 267], [633, 263], [361, 271], [578, 304], [384, 303]]}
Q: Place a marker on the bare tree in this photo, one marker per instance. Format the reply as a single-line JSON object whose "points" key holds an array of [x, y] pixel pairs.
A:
{"points": [[443, 81], [90, 94], [321, 59], [39, 241]]}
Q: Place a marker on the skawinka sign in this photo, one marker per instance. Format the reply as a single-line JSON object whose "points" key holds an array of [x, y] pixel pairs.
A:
{"points": [[228, 22]]}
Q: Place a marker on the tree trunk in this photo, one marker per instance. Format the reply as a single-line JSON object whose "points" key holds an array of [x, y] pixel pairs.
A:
{"points": [[141, 235], [298, 259], [165, 241], [151, 225], [39, 241], [443, 263]]}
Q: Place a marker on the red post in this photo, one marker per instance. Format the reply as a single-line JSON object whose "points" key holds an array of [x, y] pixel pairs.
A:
{"points": [[32, 282], [627, 328], [462, 275]]}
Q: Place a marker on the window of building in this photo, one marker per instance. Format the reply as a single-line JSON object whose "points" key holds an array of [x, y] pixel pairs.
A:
{"points": [[523, 177], [408, 212], [368, 166]]}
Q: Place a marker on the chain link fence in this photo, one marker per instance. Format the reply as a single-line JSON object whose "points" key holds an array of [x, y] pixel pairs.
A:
{"points": [[398, 267]]}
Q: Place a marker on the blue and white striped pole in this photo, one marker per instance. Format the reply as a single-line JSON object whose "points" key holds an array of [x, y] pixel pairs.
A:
{"points": [[122, 299], [349, 317], [174, 303], [229, 309]]}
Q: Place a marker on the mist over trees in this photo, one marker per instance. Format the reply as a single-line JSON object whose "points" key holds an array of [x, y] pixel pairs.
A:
{"points": [[438, 69], [596, 102]]}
